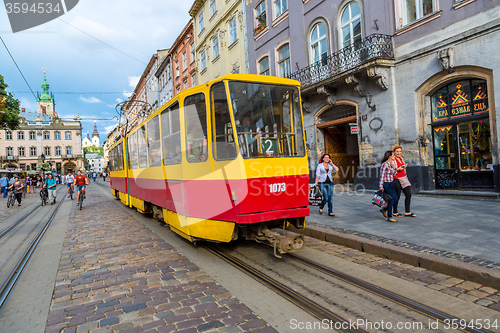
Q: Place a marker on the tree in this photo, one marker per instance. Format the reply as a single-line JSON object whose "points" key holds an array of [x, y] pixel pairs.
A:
{"points": [[9, 108], [94, 150]]}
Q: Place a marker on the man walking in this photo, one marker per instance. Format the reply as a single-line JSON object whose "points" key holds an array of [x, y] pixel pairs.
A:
{"points": [[4, 182], [51, 183]]}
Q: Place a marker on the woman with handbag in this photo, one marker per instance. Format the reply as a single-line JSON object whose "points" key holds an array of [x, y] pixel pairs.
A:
{"points": [[401, 183], [387, 172], [324, 177]]}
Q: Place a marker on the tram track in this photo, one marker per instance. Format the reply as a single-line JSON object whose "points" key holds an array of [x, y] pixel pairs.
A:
{"points": [[13, 276], [403, 306]]}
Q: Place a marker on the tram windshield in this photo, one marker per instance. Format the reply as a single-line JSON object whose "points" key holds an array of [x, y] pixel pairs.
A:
{"points": [[268, 119]]}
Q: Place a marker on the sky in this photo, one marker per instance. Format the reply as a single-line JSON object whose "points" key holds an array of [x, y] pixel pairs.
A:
{"points": [[93, 55]]}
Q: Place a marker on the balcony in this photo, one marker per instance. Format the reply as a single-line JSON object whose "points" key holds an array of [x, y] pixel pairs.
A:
{"points": [[9, 158], [372, 51]]}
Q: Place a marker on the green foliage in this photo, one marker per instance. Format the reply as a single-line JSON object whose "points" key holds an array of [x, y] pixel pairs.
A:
{"points": [[94, 150], [43, 166], [9, 108]]}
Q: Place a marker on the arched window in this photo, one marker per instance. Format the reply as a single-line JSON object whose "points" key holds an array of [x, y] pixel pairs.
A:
{"points": [[264, 66], [318, 44], [350, 24]]}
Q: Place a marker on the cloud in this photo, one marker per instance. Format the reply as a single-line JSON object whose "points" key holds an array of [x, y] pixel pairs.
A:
{"points": [[90, 100], [133, 80], [109, 128]]}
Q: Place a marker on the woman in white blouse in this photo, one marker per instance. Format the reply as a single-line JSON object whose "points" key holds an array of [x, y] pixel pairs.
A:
{"points": [[324, 177]]}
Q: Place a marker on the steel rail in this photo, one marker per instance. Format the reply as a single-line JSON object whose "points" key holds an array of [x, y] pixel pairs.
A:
{"points": [[10, 282], [6, 231], [296, 298], [389, 295]]}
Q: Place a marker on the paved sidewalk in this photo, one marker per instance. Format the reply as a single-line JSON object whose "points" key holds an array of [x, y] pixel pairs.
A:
{"points": [[464, 229], [116, 275]]}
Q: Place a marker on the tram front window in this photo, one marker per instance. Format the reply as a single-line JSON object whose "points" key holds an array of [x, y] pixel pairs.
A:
{"points": [[268, 119]]}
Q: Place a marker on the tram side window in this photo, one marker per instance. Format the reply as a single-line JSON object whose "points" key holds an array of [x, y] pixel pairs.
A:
{"points": [[142, 147], [133, 162], [195, 114], [171, 135], [112, 159], [223, 147], [118, 157], [154, 148]]}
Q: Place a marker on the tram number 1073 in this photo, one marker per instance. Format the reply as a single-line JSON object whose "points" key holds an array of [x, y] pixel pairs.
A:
{"points": [[277, 187]]}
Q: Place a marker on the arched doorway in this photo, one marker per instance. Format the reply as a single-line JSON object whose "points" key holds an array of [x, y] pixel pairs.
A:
{"points": [[70, 166], [339, 127]]}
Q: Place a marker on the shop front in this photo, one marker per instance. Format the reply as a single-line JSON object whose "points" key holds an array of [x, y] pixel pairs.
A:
{"points": [[461, 130]]}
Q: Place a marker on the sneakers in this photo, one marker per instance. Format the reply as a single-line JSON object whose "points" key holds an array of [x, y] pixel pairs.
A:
{"points": [[391, 219], [331, 214], [68, 195], [384, 212], [321, 211]]}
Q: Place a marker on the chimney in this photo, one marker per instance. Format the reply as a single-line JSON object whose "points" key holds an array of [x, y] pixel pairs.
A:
{"points": [[23, 110]]}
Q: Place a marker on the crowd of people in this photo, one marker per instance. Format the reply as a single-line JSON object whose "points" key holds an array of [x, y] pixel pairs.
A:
{"points": [[393, 181], [27, 184]]}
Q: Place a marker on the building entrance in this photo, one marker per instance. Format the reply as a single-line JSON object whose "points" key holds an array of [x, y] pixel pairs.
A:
{"points": [[462, 138], [339, 128]]}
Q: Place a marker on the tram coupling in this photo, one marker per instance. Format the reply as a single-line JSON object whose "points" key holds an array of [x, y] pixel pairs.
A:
{"points": [[281, 242]]}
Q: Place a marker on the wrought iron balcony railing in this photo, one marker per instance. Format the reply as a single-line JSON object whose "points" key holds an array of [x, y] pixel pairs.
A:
{"points": [[370, 47]]}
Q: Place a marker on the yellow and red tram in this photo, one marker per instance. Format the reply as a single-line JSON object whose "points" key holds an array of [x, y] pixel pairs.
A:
{"points": [[220, 161]]}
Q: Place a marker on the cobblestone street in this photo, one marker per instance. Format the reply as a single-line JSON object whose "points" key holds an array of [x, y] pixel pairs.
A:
{"points": [[116, 275]]}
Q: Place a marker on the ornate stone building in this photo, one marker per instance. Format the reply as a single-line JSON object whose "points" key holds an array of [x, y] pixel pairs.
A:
{"points": [[43, 133]]}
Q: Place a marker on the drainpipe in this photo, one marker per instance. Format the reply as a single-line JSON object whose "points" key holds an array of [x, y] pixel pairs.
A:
{"points": [[245, 35]]}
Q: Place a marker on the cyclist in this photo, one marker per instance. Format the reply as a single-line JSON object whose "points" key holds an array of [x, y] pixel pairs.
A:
{"points": [[50, 184], [69, 179], [81, 181]]}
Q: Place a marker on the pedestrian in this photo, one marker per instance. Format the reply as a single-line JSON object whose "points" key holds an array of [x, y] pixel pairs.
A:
{"points": [[18, 189], [387, 172], [4, 182], [401, 183], [324, 177], [51, 185], [23, 180], [28, 184]]}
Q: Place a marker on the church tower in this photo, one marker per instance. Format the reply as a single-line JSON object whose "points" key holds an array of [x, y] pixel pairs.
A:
{"points": [[95, 136], [45, 102]]}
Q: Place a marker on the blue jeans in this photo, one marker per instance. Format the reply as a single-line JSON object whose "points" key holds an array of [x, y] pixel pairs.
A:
{"points": [[327, 190], [4, 190], [389, 189]]}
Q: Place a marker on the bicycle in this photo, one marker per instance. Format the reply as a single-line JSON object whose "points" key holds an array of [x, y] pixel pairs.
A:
{"points": [[71, 192], [11, 199], [80, 199], [44, 196]]}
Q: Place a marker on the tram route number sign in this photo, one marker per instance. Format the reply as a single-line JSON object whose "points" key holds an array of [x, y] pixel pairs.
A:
{"points": [[269, 145]]}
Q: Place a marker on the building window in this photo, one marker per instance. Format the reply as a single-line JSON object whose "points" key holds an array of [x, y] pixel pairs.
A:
{"points": [[318, 44], [32, 135], [68, 150], [215, 48], [233, 33], [350, 24], [177, 73], [8, 135], [201, 24], [46, 151], [213, 8], [284, 61], [20, 135], [192, 53], [23, 167], [413, 10], [58, 151], [185, 84], [21, 151], [260, 15], [194, 79], [9, 151], [203, 60], [46, 135], [185, 60], [68, 135], [33, 151], [280, 6], [57, 135], [264, 66]]}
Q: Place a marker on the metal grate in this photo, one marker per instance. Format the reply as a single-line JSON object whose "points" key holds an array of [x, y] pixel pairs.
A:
{"points": [[337, 112]]}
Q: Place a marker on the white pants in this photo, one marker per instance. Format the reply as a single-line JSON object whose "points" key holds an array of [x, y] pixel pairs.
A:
{"points": [[52, 195]]}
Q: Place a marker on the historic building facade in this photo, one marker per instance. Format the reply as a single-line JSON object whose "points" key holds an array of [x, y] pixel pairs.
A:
{"points": [[219, 27], [183, 59], [376, 74], [58, 140]]}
